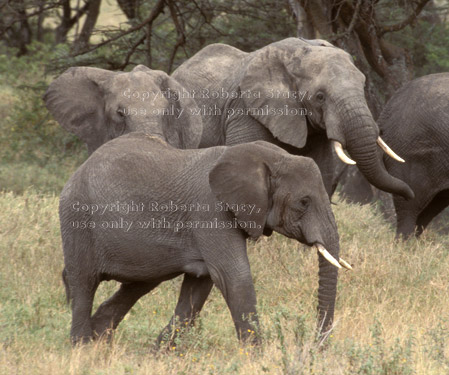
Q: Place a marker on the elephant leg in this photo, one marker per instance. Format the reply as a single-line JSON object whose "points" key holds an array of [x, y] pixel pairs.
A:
{"points": [[406, 221], [238, 291], [438, 204], [111, 312], [194, 292], [82, 292]]}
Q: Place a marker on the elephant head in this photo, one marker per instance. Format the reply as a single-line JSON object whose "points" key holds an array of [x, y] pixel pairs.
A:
{"points": [[290, 198], [98, 105], [312, 86]]}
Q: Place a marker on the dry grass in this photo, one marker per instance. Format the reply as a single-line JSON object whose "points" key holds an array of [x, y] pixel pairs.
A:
{"points": [[391, 317]]}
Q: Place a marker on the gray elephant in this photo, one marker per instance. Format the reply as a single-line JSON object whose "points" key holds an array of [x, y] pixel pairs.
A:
{"points": [[415, 121], [99, 105], [119, 220], [304, 96]]}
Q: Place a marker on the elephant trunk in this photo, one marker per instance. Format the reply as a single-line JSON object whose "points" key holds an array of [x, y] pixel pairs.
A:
{"points": [[361, 133], [327, 287], [325, 236]]}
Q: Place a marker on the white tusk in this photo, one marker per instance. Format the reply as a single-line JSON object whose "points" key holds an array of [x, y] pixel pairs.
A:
{"points": [[345, 264], [388, 150], [327, 255], [341, 154]]}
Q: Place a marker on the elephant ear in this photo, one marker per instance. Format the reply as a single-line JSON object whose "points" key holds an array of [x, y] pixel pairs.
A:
{"points": [[76, 101], [266, 76], [241, 176]]}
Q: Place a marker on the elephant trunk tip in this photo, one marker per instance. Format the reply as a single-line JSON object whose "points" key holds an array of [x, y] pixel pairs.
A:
{"points": [[409, 194], [402, 189]]}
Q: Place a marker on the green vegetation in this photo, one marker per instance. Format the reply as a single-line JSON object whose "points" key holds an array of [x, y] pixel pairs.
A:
{"points": [[391, 315], [34, 150]]}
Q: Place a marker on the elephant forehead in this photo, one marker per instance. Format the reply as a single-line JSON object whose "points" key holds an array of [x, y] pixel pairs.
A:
{"points": [[300, 167], [324, 59], [135, 81]]}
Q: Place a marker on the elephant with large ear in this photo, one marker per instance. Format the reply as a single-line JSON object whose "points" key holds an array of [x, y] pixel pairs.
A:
{"points": [[98, 105], [304, 96], [119, 221]]}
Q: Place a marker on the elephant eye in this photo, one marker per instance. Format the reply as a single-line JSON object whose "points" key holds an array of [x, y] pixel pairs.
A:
{"points": [[303, 204], [173, 95], [320, 97]]}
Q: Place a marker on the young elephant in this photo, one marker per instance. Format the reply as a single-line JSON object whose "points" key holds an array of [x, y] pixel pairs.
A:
{"points": [[98, 105], [141, 212]]}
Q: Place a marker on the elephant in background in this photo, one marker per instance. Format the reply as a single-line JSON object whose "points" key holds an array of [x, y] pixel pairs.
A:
{"points": [[220, 196], [301, 95], [98, 105], [415, 122]]}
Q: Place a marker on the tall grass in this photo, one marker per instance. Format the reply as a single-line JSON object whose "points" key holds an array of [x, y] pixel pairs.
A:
{"points": [[392, 314]]}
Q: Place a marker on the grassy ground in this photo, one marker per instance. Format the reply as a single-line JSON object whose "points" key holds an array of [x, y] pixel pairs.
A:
{"points": [[392, 314]]}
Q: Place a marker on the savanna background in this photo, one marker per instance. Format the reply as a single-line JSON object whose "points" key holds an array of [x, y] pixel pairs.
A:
{"points": [[392, 314]]}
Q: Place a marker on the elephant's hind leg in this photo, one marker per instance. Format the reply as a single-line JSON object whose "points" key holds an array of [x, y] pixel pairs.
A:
{"points": [[194, 292], [111, 312], [438, 204], [82, 292]]}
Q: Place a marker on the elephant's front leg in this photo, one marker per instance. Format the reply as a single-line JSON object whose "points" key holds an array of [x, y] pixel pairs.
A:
{"points": [[406, 216], [111, 312], [235, 283], [194, 292]]}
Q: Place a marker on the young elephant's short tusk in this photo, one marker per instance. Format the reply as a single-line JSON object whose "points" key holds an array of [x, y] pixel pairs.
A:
{"points": [[345, 264], [341, 154], [388, 150], [327, 255]]}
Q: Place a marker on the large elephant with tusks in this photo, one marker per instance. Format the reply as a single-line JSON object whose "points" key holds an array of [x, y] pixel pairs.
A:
{"points": [[306, 96]]}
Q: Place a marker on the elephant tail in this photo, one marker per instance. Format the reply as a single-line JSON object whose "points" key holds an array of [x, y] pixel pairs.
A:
{"points": [[66, 285]]}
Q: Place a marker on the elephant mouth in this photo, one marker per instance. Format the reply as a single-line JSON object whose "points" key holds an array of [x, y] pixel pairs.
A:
{"points": [[337, 263]]}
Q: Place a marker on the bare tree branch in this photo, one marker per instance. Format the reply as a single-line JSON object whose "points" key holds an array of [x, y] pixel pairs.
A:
{"points": [[399, 26], [350, 29], [132, 50], [20, 16], [180, 30], [157, 9]]}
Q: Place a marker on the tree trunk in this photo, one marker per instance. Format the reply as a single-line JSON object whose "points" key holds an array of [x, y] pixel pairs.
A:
{"points": [[63, 28], [93, 10], [40, 21], [24, 34], [128, 7]]}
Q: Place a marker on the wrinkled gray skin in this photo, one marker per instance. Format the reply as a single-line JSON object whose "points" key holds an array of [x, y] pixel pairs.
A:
{"points": [[98, 105], [415, 123], [287, 191], [337, 109]]}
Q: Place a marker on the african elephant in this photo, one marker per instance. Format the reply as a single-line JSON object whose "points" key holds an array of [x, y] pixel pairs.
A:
{"points": [[415, 121], [98, 105], [304, 96], [119, 221]]}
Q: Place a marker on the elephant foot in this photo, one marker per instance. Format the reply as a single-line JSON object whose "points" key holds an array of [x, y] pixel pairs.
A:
{"points": [[81, 340], [169, 337], [103, 329]]}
